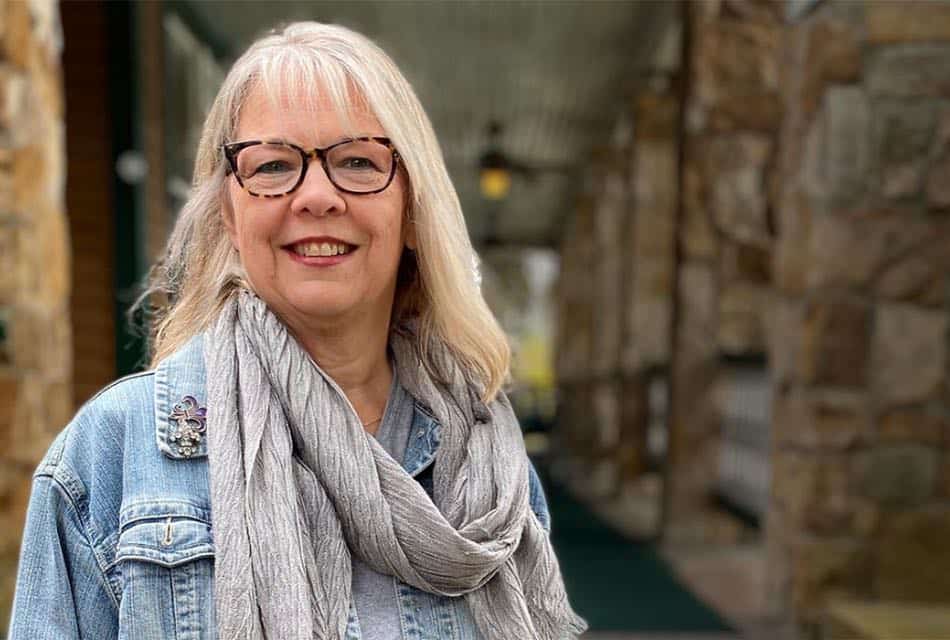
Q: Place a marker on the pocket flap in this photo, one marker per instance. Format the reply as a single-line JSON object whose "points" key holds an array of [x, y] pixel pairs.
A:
{"points": [[169, 540]]}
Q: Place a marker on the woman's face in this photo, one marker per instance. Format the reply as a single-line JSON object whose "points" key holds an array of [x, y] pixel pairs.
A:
{"points": [[276, 237]]}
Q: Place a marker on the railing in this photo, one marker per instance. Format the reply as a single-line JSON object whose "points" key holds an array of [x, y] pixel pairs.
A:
{"points": [[745, 408]]}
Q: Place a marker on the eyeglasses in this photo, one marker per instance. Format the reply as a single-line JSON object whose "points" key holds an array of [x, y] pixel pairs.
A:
{"points": [[272, 169]]}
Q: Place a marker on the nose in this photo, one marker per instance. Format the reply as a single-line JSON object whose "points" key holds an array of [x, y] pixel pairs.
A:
{"points": [[316, 195]]}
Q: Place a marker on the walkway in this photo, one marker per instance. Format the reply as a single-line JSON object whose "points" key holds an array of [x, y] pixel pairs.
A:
{"points": [[624, 587]]}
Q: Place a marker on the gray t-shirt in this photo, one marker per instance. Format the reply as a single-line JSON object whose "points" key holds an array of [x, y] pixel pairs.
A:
{"points": [[374, 593]]}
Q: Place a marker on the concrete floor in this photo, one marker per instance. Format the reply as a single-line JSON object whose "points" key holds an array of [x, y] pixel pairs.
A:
{"points": [[705, 570]]}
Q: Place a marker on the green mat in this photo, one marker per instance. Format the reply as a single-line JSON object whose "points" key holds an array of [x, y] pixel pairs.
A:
{"points": [[616, 584]]}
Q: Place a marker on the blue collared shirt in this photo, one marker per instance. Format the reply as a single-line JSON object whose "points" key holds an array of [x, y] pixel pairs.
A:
{"points": [[118, 540]]}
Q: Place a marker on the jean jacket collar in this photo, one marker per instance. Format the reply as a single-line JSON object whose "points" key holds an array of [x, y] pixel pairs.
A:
{"points": [[181, 405]]}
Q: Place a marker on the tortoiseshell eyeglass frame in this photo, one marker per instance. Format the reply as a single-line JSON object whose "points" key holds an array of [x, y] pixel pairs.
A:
{"points": [[231, 150]]}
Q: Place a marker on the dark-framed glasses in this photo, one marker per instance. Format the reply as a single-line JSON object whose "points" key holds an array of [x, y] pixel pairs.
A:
{"points": [[272, 168]]}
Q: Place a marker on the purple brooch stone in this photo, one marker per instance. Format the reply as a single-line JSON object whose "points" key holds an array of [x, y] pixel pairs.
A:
{"points": [[188, 425]]}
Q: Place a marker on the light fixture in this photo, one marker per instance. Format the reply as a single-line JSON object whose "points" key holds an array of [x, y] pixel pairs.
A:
{"points": [[494, 175]]}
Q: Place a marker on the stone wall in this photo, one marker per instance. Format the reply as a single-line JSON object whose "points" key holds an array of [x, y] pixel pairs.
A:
{"points": [[35, 340], [718, 185], [725, 236], [861, 468], [590, 330], [812, 232], [615, 296]]}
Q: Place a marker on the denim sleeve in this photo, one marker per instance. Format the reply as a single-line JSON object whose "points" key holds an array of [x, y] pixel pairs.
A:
{"points": [[61, 591], [539, 503]]}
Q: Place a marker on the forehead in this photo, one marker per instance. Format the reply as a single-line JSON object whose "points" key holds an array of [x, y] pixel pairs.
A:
{"points": [[310, 116]]}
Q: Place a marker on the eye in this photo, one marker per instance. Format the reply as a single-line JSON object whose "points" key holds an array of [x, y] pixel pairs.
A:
{"points": [[358, 163], [274, 166]]}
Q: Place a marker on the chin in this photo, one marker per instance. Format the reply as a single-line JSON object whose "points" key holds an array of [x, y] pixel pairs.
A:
{"points": [[322, 306]]}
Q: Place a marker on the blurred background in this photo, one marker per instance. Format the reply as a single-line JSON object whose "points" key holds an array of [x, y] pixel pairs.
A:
{"points": [[717, 232]]}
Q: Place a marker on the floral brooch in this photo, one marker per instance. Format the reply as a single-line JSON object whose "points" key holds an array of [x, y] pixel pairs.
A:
{"points": [[188, 420]]}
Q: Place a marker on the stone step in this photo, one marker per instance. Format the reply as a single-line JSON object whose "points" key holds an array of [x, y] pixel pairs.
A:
{"points": [[849, 620]]}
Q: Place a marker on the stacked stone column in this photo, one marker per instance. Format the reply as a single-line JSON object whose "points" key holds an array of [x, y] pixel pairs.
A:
{"points": [[861, 472], [648, 295], [732, 118], [35, 341], [615, 296], [590, 327]]}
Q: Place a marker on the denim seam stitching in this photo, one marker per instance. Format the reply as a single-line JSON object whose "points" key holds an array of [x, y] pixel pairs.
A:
{"points": [[81, 525], [135, 554], [127, 521], [131, 376], [402, 616], [173, 589]]}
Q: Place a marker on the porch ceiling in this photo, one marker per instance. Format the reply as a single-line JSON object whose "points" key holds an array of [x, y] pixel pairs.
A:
{"points": [[555, 74]]}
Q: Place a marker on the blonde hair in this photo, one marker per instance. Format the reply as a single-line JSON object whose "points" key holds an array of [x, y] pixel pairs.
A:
{"points": [[436, 287]]}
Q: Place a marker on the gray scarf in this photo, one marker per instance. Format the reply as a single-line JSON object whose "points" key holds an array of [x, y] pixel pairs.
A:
{"points": [[297, 485]]}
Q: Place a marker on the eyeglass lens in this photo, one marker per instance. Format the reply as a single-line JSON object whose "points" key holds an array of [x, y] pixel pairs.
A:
{"points": [[271, 169]]}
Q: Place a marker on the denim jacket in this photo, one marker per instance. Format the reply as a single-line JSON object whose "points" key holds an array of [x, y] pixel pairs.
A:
{"points": [[118, 540]]}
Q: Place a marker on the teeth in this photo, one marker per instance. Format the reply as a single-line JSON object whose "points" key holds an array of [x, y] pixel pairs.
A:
{"points": [[322, 249]]}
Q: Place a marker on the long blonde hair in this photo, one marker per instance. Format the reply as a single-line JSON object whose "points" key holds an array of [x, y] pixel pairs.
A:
{"points": [[437, 285]]}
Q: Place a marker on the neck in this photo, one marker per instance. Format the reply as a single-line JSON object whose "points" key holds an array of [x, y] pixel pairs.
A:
{"points": [[355, 356]]}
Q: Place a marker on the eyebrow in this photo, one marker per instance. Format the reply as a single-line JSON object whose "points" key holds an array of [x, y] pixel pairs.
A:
{"points": [[280, 140]]}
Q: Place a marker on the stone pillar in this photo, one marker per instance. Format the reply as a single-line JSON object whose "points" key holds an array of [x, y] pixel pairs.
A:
{"points": [[35, 341], [616, 287], [732, 118], [649, 255], [590, 333], [573, 436], [860, 501], [647, 296]]}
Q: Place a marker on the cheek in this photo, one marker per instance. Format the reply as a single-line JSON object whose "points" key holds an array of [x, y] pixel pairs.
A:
{"points": [[240, 228], [251, 233], [243, 237], [395, 220], [392, 240]]}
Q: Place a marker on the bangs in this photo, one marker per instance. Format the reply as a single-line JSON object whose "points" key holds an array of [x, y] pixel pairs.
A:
{"points": [[301, 77]]}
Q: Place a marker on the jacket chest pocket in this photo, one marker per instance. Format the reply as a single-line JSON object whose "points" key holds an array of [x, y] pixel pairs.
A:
{"points": [[166, 565], [428, 616]]}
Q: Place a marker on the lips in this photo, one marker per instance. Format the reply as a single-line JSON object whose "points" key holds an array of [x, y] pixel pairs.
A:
{"points": [[320, 251], [324, 249]]}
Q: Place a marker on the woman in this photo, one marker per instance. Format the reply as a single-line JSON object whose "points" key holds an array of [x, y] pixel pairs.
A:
{"points": [[319, 293]]}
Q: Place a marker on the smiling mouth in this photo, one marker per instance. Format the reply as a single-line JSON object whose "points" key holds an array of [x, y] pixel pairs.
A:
{"points": [[321, 249]]}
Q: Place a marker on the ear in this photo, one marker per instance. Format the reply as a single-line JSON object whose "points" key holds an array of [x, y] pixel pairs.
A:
{"points": [[410, 234]]}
